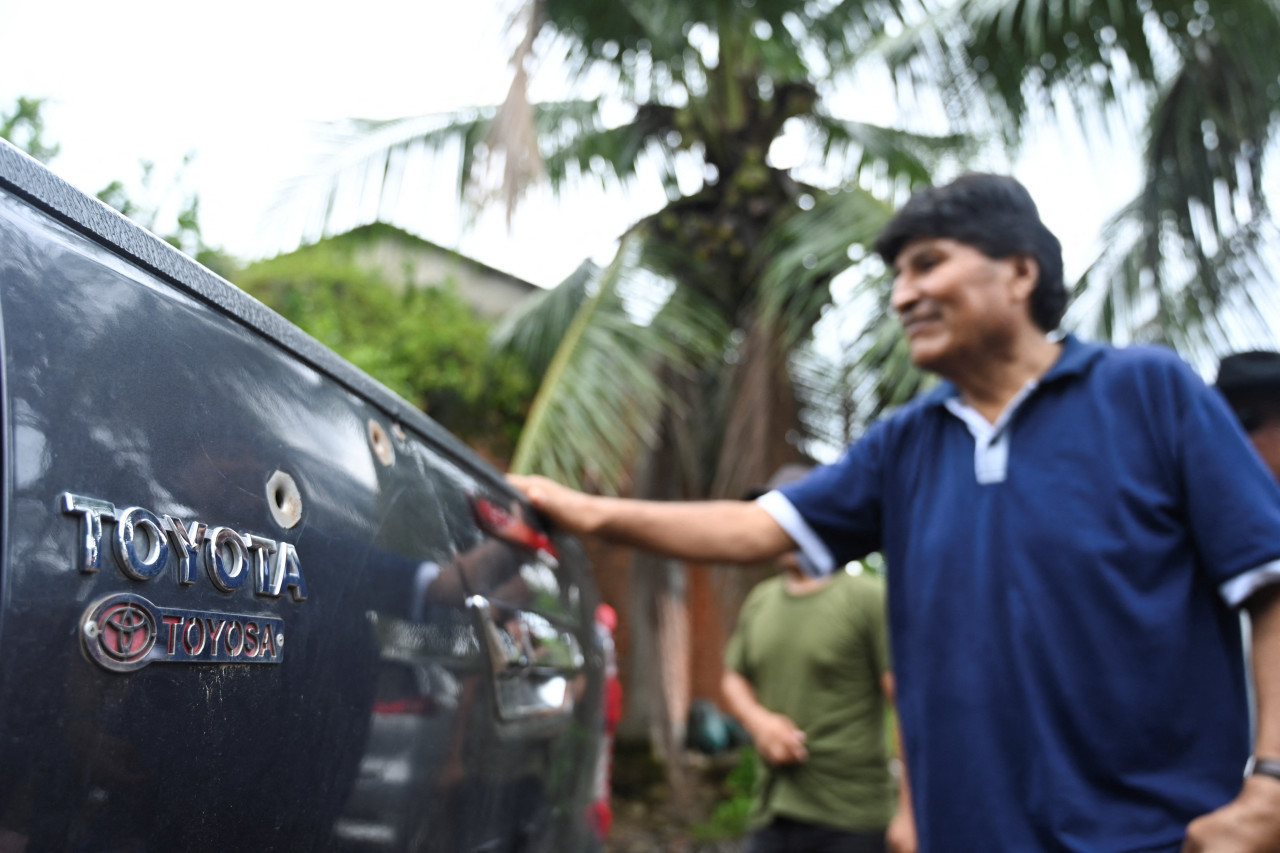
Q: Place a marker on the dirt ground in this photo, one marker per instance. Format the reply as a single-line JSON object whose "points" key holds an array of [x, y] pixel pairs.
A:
{"points": [[647, 819]]}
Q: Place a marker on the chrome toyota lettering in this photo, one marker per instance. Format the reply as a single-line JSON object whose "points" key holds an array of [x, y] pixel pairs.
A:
{"points": [[145, 544], [125, 632], [127, 538], [227, 574]]}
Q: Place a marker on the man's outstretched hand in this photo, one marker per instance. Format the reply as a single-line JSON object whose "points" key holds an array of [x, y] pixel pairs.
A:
{"points": [[707, 531], [566, 508]]}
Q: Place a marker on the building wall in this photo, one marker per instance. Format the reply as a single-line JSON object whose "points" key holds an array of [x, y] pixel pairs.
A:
{"points": [[418, 263]]}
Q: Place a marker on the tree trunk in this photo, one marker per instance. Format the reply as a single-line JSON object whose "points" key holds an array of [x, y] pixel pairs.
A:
{"points": [[660, 611], [764, 417], [762, 414], [759, 438]]}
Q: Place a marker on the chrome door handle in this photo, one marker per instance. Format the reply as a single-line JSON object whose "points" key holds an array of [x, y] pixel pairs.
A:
{"points": [[534, 663]]}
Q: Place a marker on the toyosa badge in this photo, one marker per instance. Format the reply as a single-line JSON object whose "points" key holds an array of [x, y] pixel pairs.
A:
{"points": [[125, 632]]}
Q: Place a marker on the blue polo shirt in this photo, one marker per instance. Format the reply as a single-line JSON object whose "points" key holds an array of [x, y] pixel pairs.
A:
{"points": [[1070, 673]]}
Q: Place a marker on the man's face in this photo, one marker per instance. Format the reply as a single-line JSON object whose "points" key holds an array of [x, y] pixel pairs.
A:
{"points": [[1266, 440], [1259, 414], [956, 304]]}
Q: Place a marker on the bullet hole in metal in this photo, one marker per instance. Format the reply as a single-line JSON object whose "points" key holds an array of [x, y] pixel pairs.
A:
{"points": [[381, 443], [284, 499]]}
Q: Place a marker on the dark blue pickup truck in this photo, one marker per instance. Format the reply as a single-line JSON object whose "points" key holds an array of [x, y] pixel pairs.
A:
{"points": [[249, 598]]}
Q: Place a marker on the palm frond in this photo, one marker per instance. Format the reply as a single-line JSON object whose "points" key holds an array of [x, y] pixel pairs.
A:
{"points": [[583, 147], [882, 374], [857, 366], [683, 40], [367, 160], [802, 254], [1151, 285], [1203, 164], [879, 154], [1184, 258], [598, 35], [877, 363], [987, 57], [840, 31], [600, 400], [534, 330]]}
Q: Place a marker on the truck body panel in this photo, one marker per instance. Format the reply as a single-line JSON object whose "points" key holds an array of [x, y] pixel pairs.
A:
{"points": [[249, 598]]}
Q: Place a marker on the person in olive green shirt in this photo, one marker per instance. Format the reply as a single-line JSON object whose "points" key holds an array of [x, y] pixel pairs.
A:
{"points": [[807, 674]]}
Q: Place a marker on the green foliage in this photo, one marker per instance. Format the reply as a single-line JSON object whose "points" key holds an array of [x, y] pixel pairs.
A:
{"points": [[426, 344], [600, 380], [170, 212], [115, 196], [24, 127], [219, 261], [729, 817]]}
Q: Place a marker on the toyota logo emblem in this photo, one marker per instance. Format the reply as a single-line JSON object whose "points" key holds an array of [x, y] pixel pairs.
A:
{"points": [[126, 632], [119, 632]]}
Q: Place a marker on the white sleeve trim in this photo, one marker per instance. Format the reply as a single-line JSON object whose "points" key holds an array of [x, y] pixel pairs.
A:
{"points": [[423, 578], [1239, 588], [783, 512]]}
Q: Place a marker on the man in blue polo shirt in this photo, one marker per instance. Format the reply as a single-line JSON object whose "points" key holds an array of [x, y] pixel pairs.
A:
{"points": [[1069, 529]]}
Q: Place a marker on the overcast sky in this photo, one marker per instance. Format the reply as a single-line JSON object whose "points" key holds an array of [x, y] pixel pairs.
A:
{"points": [[244, 85]]}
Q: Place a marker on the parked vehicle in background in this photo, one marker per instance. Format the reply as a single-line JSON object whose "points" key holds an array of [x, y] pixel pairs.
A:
{"points": [[249, 599]]}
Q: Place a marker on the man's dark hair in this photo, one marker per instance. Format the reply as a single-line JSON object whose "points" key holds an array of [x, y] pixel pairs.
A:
{"points": [[995, 215]]}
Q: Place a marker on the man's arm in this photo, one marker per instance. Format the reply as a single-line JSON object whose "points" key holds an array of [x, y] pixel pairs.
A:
{"points": [[901, 835], [776, 738], [1251, 822], [710, 531], [1264, 616]]}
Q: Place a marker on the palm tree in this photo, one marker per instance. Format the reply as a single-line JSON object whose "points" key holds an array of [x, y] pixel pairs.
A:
{"points": [[1185, 262], [735, 270], [687, 363]]}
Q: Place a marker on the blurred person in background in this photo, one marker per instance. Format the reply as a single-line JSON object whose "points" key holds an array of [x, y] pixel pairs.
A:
{"points": [[1251, 383], [807, 674]]}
